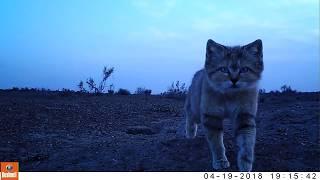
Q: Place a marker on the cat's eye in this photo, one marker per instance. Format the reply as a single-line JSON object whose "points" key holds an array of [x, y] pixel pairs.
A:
{"points": [[244, 70], [224, 69]]}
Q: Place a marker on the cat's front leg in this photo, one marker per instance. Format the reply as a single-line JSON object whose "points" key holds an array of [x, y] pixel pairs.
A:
{"points": [[214, 134], [245, 129]]}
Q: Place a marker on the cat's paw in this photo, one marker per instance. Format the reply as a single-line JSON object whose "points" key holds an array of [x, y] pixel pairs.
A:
{"points": [[245, 166], [220, 164], [191, 131]]}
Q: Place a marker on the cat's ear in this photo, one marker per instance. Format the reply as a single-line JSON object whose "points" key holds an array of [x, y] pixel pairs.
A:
{"points": [[255, 48], [214, 49]]}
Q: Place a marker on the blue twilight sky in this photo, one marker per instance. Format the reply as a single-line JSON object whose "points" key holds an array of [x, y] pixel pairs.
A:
{"points": [[55, 44]]}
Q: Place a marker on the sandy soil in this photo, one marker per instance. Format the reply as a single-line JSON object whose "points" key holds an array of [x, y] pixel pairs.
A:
{"points": [[50, 131]]}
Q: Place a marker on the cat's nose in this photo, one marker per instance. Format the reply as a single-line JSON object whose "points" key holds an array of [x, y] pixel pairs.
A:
{"points": [[234, 80]]}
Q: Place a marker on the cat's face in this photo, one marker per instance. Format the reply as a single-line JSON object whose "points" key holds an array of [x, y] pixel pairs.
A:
{"points": [[234, 68]]}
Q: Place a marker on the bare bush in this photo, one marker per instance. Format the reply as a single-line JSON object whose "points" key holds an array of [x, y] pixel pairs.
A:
{"points": [[81, 87], [123, 92], [66, 92], [93, 87], [287, 89], [262, 91], [111, 89], [106, 74], [143, 91], [176, 90]]}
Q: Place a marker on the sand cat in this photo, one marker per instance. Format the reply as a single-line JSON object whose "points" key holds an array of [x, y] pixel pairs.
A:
{"points": [[226, 88]]}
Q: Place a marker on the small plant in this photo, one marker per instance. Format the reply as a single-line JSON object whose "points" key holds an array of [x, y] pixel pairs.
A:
{"points": [[287, 89], [93, 87], [176, 90], [111, 89], [25, 89], [275, 92], [106, 74], [123, 92], [143, 91], [80, 86], [15, 89], [66, 92], [262, 91], [44, 90]]}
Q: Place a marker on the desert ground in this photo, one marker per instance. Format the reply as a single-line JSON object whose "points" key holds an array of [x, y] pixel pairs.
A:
{"points": [[55, 131]]}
